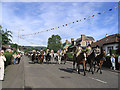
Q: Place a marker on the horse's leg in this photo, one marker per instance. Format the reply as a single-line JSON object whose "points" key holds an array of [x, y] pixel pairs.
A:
{"points": [[73, 62], [92, 67], [78, 67], [84, 67], [100, 67]]}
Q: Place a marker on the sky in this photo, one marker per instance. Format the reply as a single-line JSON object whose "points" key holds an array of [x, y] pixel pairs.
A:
{"points": [[31, 17]]}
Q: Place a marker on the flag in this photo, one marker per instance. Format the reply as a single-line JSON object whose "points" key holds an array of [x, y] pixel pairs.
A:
{"points": [[104, 11], [116, 7], [84, 18], [99, 13], [55, 27], [58, 27], [80, 20], [110, 9], [93, 15], [63, 25], [73, 22], [77, 21], [89, 17], [69, 23], [66, 24]]}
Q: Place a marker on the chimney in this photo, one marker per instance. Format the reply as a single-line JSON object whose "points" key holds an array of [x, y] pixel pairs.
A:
{"points": [[106, 35], [82, 37], [72, 41]]}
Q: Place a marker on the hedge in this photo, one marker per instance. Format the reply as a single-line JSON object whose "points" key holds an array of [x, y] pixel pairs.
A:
{"points": [[8, 58]]}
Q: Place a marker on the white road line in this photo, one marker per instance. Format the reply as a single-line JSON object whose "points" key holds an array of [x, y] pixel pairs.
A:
{"points": [[98, 80]]}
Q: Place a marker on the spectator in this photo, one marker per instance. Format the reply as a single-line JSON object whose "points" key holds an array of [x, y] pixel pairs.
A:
{"points": [[119, 61], [113, 61], [2, 60], [18, 56], [14, 58]]}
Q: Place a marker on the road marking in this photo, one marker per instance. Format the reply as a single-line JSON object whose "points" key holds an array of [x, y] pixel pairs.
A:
{"points": [[98, 80]]}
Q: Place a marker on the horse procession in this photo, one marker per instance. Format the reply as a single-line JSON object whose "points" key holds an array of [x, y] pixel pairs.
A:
{"points": [[93, 58]]}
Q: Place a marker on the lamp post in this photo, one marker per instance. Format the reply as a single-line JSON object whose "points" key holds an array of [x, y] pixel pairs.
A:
{"points": [[19, 36], [0, 38]]}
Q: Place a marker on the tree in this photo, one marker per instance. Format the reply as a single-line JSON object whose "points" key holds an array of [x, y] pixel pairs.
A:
{"points": [[54, 43], [6, 36]]}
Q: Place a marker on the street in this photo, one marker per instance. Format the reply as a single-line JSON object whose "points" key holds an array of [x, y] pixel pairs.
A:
{"points": [[27, 75]]}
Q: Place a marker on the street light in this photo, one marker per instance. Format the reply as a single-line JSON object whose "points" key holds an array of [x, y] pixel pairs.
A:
{"points": [[19, 35]]}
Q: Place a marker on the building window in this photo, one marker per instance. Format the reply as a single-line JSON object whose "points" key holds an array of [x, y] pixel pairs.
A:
{"points": [[109, 49]]}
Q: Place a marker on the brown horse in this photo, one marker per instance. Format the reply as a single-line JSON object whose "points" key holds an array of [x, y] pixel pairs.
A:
{"points": [[41, 57], [100, 59], [92, 61], [81, 60]]}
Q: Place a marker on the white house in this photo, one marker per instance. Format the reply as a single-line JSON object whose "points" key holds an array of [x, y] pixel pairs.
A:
{"points": [[108, 43]]}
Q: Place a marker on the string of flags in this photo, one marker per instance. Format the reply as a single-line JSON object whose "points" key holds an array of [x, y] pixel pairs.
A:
{"points": [[29, 41], [70, 22]]}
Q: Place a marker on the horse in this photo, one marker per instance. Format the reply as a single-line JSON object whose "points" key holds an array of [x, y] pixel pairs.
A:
{"points": [[81, 59], [100, 59], [48, 57], [92, 61]]}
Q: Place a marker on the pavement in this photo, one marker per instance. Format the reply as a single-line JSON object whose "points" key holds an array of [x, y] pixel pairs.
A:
{"points": [[25, 75]]}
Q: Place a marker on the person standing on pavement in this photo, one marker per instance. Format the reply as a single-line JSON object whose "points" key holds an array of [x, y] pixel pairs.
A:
{"points": [[119, 61], [113, 61], [14, 58], [18, 56], [2, 60]]}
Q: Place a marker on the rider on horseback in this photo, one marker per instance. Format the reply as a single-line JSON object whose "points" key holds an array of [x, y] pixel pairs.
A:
{"points": [[97, 51], [89, 50], [78, 50]]}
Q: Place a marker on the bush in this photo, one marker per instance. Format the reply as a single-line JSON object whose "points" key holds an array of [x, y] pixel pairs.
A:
{"points": [[8, 58], [69, 55]]}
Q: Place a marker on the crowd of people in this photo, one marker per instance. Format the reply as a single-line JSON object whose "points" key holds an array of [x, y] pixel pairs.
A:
{"points": [[16, 60], [48, 56], [61, 56]]}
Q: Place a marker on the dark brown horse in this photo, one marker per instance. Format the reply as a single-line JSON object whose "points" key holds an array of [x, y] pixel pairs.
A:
{"points": [[92, 61], [81, 60], [100, 59]]}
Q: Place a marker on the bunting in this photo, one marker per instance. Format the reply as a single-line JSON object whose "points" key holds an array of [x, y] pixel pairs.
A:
{"points": [[71, 22]]}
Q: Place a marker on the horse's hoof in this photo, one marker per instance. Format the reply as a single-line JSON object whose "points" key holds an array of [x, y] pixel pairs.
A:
{"points": [[100, 72], [92, 72], [78, 72], [84, 74]]}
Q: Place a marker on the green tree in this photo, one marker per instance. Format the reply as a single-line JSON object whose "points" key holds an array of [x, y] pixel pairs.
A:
{"points": [[6, 36], [54, 43]]}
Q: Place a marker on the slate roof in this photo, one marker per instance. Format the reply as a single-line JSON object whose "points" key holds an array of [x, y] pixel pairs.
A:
{"points": [[115, 38]]}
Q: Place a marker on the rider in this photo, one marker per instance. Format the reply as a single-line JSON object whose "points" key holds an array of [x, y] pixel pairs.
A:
{"points": [[97, 51], [47, 55], [52, 55], [78, 50], [89, 50]]}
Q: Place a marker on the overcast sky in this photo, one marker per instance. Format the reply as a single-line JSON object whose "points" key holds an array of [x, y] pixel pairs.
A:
{"points": [[38, 16]]}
